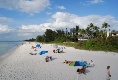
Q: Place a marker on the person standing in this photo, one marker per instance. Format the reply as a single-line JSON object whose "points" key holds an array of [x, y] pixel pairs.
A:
{"points": [[91, 63], [108, 73]]}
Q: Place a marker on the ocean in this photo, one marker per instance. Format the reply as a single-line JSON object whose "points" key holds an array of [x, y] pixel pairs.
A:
{"points": [[6, 46]]}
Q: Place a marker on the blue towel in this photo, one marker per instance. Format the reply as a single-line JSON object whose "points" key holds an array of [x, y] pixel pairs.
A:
{"points": [[43, 52]]}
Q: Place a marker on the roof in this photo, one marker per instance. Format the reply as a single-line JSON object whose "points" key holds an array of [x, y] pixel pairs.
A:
{"points": [[116, 32]]}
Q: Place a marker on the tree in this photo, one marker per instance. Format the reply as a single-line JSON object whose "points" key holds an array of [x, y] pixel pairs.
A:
{"points": [[89, 30], [92, 31], [59, 33], [50, 35], [82, 32], [77, 29], [95, 31], [105, 25], [39, 38]]}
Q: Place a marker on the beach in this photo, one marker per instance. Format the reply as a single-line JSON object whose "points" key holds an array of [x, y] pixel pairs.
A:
{"points": [[20, 65]]}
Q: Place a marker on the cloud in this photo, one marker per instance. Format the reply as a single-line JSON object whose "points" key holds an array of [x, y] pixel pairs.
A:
{"points": [[95, 1], [60, 20], [89, 2], [61, 7], [34, 28], [4, 19], [4, 29], [27, 6]]}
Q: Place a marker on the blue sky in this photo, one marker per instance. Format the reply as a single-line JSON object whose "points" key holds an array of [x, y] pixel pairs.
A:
{"points": [[25, 19]]}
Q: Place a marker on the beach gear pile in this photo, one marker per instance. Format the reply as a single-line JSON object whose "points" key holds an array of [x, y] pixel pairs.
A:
{"points": [[38, 46]]}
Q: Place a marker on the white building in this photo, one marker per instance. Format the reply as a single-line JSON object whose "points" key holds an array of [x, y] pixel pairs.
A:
{"points": [[114, 33]]}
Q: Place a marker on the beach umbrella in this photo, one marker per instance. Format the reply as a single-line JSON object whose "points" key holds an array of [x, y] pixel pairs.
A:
{"points": [[55, 46], [77, 63]]}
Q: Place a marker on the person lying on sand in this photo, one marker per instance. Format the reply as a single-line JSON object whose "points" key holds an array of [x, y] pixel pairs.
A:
{"points": [[33, 53]]}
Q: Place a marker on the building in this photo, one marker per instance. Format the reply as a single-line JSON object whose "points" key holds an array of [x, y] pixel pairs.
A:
{"points": [[114, 33]]}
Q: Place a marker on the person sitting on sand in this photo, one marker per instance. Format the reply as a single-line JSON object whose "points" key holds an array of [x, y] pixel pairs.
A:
{"points": [[47, 58], [33, 47], [54, 51], [61, 50], [58, 50], [82, 70]]}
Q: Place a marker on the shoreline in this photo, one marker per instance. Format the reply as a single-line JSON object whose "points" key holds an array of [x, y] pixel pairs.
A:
{"points": [[9, 53], [21, 65], [6, 50]]}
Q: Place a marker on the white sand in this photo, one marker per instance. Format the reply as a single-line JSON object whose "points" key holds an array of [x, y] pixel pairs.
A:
{"points": [[20, 65]]}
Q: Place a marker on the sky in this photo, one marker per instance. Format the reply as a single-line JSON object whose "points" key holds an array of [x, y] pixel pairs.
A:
{"points": [[26, 19]]}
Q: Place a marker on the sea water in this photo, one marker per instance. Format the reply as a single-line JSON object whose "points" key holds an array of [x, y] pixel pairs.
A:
{"points": [[6, 46]]}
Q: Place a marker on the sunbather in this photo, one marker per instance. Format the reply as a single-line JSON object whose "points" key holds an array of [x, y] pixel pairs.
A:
{"points": [[33, 53]]}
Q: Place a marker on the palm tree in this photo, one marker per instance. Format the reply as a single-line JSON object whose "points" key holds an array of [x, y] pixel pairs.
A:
{"points": [[66, 34], [89, 30], [105, 26], [95, 31], [77, 29], [82, 32]]}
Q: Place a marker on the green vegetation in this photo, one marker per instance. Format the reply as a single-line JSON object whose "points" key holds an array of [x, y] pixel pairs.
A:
{"points": [[96, 38], [101, 44]]}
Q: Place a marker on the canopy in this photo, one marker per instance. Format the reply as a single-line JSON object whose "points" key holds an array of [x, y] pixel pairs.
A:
{"points": [[77, 63], [43, 52]]}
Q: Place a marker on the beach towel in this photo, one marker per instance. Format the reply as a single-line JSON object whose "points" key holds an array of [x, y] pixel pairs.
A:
{"points": [[43, 52], [77, 63], [72, 64]]}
